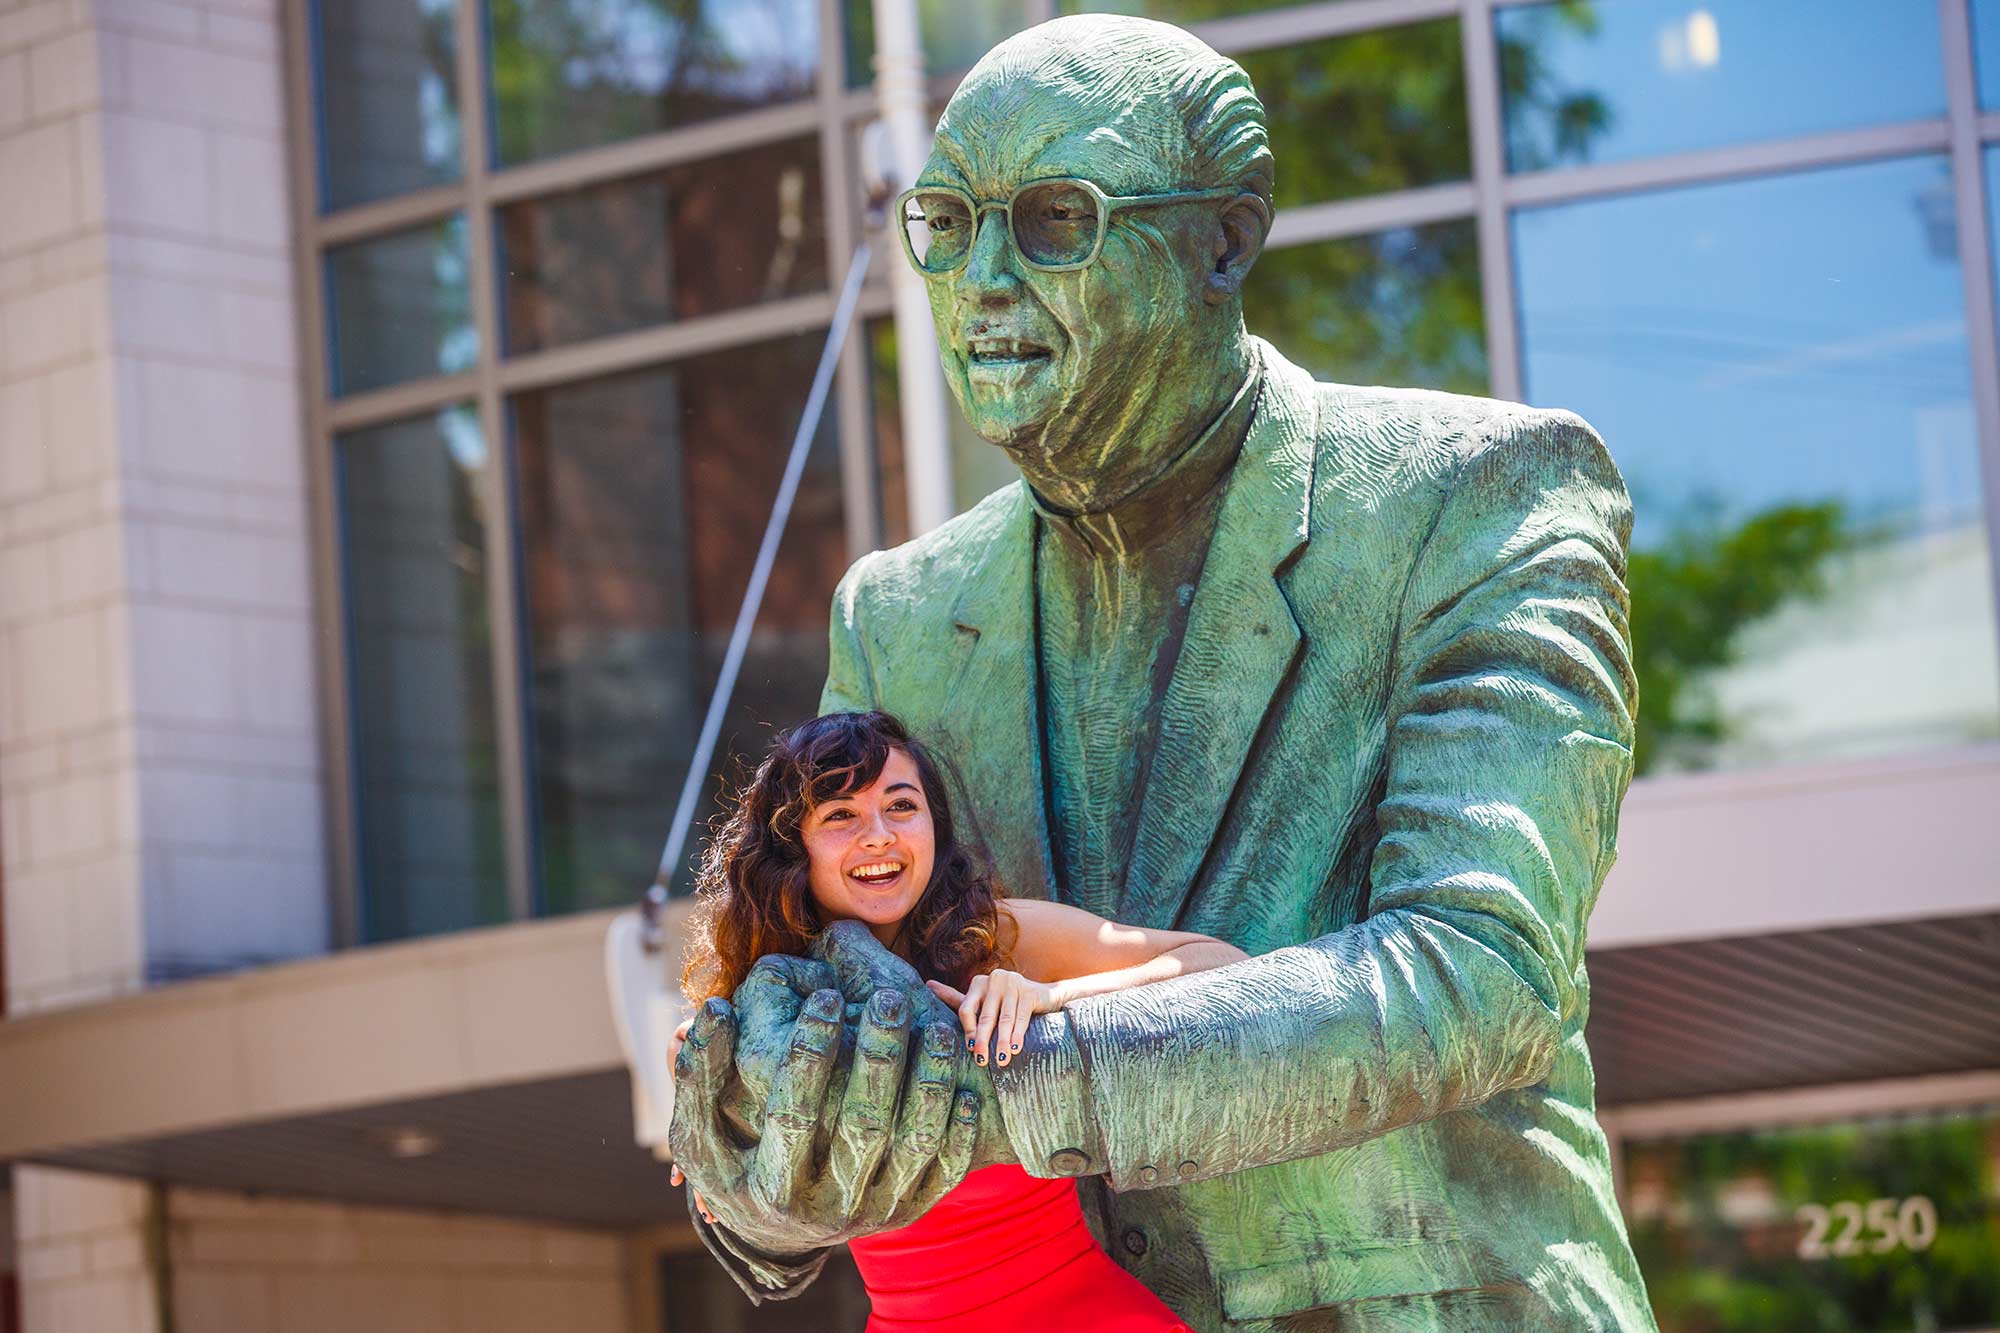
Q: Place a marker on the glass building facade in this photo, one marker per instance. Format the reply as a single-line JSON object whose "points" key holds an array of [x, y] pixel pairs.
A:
{"points": [[572, 262]]}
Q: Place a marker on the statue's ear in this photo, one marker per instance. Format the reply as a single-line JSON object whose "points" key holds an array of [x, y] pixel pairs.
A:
{"points": [[1239, 239]]}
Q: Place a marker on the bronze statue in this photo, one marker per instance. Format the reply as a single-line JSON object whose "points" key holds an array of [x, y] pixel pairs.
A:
{"points": [[1340, 675]]}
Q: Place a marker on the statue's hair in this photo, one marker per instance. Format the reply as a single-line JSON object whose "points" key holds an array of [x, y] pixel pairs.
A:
{"points": [[1129, 67]]}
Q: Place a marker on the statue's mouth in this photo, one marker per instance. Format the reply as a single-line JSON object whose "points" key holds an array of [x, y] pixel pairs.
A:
{"points": [[1003, 353]]}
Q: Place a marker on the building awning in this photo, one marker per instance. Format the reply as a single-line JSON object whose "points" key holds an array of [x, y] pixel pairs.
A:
{"points": [[480, 1072]]}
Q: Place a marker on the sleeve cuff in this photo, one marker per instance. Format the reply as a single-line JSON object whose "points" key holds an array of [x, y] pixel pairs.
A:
{"points": [[1045, 1101], [762, 1277]]}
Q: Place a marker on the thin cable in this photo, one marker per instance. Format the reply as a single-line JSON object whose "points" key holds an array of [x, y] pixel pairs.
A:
{"points": [[760, 575]]}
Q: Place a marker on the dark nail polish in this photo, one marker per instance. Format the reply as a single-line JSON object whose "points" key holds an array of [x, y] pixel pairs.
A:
{"points": [[1017, 1048], [970, 1043], [980, 1058]]}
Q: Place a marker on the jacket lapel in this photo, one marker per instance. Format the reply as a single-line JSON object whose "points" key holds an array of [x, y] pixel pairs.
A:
{"points": [[994, 707], [1242, 643]]}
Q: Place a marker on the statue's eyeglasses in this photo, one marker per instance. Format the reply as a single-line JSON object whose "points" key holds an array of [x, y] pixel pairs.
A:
{"points": [[1058, 224]]}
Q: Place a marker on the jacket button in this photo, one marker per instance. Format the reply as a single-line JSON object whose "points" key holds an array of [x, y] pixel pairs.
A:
{"points": [[1148, 1174], [1188, 1169], [1135, 1242], [1069, 1161]]}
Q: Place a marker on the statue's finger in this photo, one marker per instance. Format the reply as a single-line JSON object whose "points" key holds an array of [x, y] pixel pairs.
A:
{"points": [[961, 1136], [868, 1107], [920, 1126], [781, 1171], [767, 1007], [697, 1137]]}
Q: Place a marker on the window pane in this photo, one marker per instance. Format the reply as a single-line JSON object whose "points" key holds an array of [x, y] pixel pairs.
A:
{"points": [[426, 779], [690, 240], [397, 308], [1399, 307], [955, 32], [643, 499], [388, 98], [1362, 114], [1986, 50], [1599, 82], [571, 74], [1780, 368]]}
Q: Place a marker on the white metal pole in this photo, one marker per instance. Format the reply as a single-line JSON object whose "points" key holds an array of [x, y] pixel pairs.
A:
{"points": [[907, 127]]}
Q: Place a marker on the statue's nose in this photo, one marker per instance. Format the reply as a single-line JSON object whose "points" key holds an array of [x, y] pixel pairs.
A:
{"points": [[990, 272]]}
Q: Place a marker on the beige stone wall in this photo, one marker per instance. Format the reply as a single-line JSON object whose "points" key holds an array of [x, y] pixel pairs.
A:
{"points": [[240, 1265], [81, 1249], [255, 1266], [161, 804]]}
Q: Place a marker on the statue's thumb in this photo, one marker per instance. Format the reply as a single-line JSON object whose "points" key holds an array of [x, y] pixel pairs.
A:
{"points": [[863, 966]]}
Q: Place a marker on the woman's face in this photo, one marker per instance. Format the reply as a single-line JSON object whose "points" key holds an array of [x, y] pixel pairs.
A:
{"points": [[870, 852]]}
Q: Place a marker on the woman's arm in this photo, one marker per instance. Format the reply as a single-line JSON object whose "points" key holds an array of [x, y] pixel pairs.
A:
{"points": [[1062, 954]]}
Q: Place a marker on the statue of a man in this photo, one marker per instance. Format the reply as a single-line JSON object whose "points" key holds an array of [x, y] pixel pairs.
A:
{"points": [[1338, 674]]}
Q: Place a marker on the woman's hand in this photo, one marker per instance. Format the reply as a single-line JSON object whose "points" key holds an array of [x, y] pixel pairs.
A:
{"points": [[675, 1177], [994, 1011]]}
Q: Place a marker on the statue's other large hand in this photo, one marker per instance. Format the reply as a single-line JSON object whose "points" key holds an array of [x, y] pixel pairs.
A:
{"points": [[802, 1116]]}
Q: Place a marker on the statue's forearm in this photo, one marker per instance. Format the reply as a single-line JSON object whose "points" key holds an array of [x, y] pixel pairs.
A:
{"points": [[1289, 1055]]}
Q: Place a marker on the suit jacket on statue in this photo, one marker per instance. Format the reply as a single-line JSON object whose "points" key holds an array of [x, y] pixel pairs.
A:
{"points": [[1390, 764]]}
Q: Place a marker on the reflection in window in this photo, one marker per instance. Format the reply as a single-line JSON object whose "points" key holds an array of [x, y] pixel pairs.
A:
{"points": [[1399, 307], [1986, 51], [1593, 80], [955, 32], [1361, 114], [978, 467], [691, 240], [426, 784], [1176, 11], [1780, 368], [571, 74], [1860, 1225], [643, 497], [397, 308], [388, 99]]}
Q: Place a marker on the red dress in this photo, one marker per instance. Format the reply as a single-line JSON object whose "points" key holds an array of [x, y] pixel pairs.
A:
{"points": [[1005, 1252]]}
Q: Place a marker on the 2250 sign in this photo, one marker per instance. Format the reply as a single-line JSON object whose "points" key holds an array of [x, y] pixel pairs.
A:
{"points": [[1880, 1226]]}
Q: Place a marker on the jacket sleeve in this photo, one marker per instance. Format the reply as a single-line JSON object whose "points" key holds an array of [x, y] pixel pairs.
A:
{"points": [[1509, 733]]}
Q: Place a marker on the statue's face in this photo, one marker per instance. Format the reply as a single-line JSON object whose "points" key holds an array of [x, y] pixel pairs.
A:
{"points": [[1057, 366]]}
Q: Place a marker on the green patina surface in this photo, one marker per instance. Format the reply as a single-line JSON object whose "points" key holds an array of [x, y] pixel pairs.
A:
{"points": [[1341, 675]]}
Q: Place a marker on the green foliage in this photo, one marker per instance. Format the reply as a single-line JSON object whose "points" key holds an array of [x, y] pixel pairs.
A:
{"points": [[1365, 113], [1694, 595], [1721, 1247], [571, 74], [1547, 125], [1401, 307]]}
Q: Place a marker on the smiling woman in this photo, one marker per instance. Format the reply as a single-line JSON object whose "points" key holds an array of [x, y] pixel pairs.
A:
{"points": [[811, 839]]}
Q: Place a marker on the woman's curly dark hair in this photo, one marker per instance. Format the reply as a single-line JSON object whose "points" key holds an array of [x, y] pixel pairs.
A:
{"points": [[753, 894]]}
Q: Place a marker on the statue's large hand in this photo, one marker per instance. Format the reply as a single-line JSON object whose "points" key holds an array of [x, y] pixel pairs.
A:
{"points": [[811, 1064]]}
